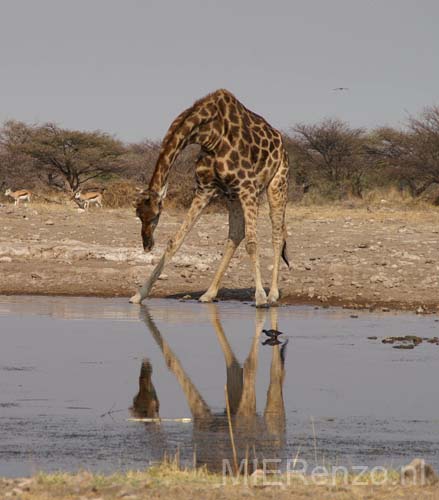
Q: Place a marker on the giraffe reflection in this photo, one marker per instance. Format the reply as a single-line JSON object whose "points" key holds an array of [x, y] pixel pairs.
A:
{"points": [[255, 436], [146, 403]]}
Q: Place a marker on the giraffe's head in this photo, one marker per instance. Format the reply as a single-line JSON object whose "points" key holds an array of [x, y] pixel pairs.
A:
{"points": [[148, 208]]}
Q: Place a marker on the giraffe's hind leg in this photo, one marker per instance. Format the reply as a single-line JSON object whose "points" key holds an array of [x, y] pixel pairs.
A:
{"points": [[277, 193], [236, 235], [250, 208]]}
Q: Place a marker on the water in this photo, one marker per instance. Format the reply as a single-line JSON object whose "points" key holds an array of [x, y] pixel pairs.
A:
{"points": [[69, 385]]}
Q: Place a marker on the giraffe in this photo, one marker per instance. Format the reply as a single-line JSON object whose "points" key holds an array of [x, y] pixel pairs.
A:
{"points": [[241, 156]]}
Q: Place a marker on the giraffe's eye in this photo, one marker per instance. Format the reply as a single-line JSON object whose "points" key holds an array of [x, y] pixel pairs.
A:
{"points": [[155, 220]]}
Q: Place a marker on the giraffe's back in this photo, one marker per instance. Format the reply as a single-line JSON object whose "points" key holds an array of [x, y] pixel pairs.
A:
{"points": [[250, 150]]}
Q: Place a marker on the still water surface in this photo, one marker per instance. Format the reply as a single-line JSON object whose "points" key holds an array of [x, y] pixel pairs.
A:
{"points": [[74, 371]]}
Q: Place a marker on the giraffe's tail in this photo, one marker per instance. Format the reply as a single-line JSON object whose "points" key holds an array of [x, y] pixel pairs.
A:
{"points": [[285, 253]]}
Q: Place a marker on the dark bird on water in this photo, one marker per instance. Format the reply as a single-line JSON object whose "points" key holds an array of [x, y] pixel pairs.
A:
{"points": [[271, 341], [340, 89], [272, 337], [274, 334]]}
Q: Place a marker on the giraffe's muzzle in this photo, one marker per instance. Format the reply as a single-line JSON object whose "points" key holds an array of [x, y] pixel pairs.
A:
{"points": [[148, 244]]}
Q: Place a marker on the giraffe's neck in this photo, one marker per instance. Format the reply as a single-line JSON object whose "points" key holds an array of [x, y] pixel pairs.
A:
{"points": [[191, 127], [162, 169]]}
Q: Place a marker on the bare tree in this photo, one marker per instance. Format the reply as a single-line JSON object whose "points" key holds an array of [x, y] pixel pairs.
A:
{"points": [[332, 152], [412, 153], [16, 169]]}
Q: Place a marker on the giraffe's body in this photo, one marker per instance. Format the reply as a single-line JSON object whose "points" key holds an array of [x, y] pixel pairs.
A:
{"points": [[241, 156]]}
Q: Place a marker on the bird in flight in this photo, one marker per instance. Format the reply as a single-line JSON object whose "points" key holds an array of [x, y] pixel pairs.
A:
{"points": [[338, 89]]}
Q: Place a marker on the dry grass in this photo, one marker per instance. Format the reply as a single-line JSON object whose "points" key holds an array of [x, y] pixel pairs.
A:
{"points": [[120, 194], [167, 481]]}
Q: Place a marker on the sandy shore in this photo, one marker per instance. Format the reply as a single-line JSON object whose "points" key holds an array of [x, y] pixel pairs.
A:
{"points": [[384, 258]]}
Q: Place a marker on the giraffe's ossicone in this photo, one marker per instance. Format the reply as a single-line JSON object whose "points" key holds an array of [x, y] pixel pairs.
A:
{"points": [[241, 156]]}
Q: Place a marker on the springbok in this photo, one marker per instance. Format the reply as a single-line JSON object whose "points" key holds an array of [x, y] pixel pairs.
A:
{"points": [[20, 195], [91, 197]]}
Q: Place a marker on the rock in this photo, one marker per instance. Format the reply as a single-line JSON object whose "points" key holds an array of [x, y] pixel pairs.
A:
{"points": [[363, 245], [163, 277], [388, 340], [25, 483], [49, 222], [385, 309], [372, 338], [418, 473], [5, 259], [420, 310], [258, 474], [407, 342], [413, 338], [186, 297], [202, 267], [356, 284], [409, 256]]}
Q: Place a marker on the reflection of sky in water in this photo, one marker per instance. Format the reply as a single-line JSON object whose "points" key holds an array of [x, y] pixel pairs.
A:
{"points": [[371, 404]]}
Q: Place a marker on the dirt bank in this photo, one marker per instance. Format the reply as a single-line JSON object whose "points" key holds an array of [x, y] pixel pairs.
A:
{"points": [[352, 257]]}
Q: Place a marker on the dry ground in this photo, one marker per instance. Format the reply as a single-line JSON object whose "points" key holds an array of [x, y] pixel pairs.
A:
{"points": [[348, 256]]}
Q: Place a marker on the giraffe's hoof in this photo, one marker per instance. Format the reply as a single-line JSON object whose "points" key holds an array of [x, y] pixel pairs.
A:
{"points": [[273, 298], [261, 299], [206, 298], [136, 299], [263, 305]]}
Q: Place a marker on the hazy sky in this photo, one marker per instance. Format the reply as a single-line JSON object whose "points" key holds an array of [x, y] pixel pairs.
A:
{"points": [[129, 67]]}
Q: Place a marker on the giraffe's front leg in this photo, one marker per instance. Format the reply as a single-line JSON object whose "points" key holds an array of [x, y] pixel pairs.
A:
{"points": [[200, 200], [145, 290], [212, 291]]}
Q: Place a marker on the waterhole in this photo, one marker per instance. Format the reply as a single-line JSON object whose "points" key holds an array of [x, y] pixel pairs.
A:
{"points": [[79, 376]]}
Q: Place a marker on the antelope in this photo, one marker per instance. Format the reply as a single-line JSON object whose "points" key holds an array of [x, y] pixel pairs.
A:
{"points": [[20, 195], [91, 197]]}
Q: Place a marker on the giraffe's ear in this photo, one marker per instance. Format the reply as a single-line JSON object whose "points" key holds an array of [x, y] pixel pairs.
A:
{"points": [[163, 191]]}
